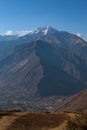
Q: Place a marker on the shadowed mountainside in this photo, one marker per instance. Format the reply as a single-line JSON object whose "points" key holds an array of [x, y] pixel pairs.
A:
{"points": [[35, 69]]}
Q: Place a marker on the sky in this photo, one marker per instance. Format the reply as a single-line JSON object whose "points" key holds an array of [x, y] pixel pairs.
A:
{"points": [[23, 15]]}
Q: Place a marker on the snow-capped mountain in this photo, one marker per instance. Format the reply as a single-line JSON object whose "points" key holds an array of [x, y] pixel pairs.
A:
{"points": [[43, 63], [41, 31], [31, 34]]}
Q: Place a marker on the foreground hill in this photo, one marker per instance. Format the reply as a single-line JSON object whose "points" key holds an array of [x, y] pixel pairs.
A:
{"points": [[30, 121], [42, 121], [77, 103]]}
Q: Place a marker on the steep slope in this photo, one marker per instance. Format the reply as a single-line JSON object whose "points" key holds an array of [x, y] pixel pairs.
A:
{"points": [[35, 69], [55, 79], [77, 103], [22, 65]]}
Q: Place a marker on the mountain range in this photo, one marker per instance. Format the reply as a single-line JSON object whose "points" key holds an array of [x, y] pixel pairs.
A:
{"points": [[44, 63]]}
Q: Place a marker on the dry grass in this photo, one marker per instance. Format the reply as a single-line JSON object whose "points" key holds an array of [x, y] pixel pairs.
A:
{"points": [[78, 123], [42, 121], [38, 121]]}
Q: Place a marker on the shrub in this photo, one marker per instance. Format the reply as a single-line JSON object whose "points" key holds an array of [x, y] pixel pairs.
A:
{"points": [[78, 123], [71, 125]]}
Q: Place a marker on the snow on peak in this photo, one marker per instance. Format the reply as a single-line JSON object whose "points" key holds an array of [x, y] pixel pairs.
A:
{"points": [[46, 30], [43, 30], [38, 31]]}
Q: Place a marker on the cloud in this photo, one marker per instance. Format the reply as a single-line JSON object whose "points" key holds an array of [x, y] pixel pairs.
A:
{"points": [[9, 32], [23, 32], [80, 35], [83, 36]]}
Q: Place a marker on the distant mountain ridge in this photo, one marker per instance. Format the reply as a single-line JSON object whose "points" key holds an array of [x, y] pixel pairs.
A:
{"points": [[43, 63], [8, 37]]}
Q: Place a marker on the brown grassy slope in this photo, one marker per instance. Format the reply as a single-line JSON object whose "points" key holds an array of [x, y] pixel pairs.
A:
{"points": [[77, 102], [42, 121], [7, 118], [77, 123], [31, 121], [36, 121]]}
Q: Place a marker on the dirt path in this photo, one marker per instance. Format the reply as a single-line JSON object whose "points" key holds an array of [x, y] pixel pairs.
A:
{"points": [[6, 121]]}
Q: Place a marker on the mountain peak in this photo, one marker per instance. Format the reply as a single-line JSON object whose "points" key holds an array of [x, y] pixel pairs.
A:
{"points": [[44, 30], [40, 31]]}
